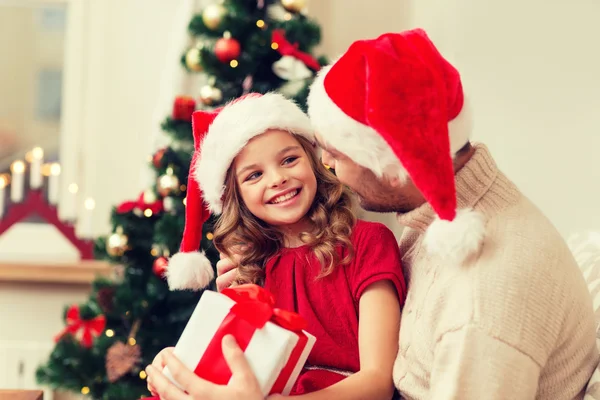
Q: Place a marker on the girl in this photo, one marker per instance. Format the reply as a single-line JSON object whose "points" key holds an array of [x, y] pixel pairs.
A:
{"points": [[289, 221]]}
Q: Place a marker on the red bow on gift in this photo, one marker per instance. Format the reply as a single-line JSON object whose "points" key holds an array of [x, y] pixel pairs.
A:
{"points": [[253, 309], [257, 306], [84, 330], [285, 48], [128, 206]]}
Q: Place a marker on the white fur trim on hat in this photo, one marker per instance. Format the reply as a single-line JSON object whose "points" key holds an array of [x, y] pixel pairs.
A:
{"points": [[352, 138], [233, 128], [189, 271], [362, 143], [456, 240]]}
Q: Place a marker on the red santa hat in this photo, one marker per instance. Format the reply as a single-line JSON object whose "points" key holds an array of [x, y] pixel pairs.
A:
{"points": [[219, 136], [396, 106]]}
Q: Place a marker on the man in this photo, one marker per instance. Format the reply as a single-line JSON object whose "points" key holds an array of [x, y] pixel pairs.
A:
{"points": [[497, 307]]}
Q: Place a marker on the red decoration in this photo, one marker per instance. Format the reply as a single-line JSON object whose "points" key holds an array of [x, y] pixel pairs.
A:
{"points": [[83, 330], [286, 48], [128, 206], [158, 156], [160, 266], [183, 108], [227, 49], [253, 309], [35, 204]]}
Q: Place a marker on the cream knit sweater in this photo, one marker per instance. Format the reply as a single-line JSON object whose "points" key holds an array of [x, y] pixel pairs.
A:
{"points": [[516, 323]]}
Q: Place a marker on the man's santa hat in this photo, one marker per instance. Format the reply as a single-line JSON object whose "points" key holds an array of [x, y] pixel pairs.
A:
{"points": [[219, 136], [396, 106]]}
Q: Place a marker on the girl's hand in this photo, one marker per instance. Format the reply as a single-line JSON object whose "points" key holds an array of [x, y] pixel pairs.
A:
{"points": [[242, 386], [227, 270], [159, 363]]}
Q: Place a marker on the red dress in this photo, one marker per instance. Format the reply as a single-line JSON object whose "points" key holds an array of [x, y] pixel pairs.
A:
{"points": [[330, 304]]}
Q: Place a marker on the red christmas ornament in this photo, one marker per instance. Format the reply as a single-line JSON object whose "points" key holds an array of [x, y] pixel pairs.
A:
{"points": [[160, 266], [158, 156], [227, 49], [183, 108]]}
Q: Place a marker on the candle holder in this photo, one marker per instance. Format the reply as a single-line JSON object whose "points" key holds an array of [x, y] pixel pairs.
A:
{"points": [[35, 203]]}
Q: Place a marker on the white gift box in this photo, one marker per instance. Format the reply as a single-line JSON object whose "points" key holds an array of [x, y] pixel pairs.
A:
{"points": [[276, 355]]}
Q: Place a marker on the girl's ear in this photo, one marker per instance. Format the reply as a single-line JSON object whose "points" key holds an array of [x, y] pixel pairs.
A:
{"points": [[395, 181]]}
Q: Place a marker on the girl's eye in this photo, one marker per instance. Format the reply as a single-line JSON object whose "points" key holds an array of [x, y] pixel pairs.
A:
{"points": [[254, 175], [290, 160]]}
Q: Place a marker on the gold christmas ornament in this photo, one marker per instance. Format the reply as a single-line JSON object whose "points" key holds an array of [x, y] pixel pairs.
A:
{"points": [[210, 95], [213, 16], [294, 6], [167, 184], [192, 59], [117, 243]]}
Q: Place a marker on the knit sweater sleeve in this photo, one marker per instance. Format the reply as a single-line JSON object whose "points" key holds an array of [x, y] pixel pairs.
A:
{"points": [[469, 364]]}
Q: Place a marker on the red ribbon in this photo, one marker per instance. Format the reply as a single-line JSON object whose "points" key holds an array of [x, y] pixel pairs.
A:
{"points": [[286, 48], [129, 206], [253, 309], [88, 329]]}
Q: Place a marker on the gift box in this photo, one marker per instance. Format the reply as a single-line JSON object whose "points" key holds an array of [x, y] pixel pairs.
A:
{"points": [[273, 340]]}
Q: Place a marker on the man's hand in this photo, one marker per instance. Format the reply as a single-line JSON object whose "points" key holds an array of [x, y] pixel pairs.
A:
{"points": [[226, 271], [242, 386]]}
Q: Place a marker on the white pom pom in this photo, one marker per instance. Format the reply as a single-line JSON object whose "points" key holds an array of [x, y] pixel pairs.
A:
{"points": [[189, 271], [456, 240]]}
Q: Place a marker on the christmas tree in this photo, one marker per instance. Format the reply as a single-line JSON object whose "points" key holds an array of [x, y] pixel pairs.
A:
{"points": [[238, 46]]}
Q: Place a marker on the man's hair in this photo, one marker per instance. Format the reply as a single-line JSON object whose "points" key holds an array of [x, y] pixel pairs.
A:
{"points": [[465, 149], [331, 215]]}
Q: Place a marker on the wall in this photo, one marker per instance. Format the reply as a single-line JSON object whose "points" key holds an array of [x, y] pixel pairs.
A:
{"points": [[39, 51], [128, 43], [344, 21], [533, 78], [32, 313]]}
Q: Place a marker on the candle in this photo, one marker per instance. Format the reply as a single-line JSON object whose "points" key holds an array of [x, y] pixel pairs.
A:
{"points": [[53, 184], [85, 228], [17, 182], [35, 177], [70, 203], [3, 184]]}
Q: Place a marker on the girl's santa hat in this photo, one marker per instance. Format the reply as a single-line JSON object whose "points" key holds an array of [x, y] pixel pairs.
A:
{"points": [[219, 136], [396, 106]]}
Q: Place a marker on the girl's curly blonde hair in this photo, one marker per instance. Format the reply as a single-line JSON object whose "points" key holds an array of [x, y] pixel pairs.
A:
{"points": [[331, 215]]}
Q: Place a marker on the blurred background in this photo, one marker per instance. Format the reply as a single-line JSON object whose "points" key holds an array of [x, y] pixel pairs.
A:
{"points": [[86, 87]]}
